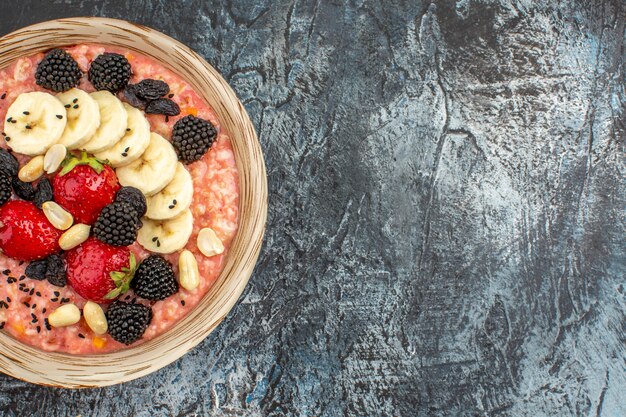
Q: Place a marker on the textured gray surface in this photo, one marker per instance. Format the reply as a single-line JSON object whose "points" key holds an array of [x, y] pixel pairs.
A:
{"points": [[446, 225]]}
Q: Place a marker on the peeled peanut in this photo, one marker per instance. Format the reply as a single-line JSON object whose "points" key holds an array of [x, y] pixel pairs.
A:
{"points": [[74, 236], [32, 170], [66, 315], [208, 242], [188, 274], [55, 155], [95, 318], [57, 215]]}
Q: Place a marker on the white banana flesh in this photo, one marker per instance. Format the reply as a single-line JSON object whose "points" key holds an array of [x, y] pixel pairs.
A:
{"points": [[133, 144], [83, 118], [166, 236], [113, 122], [35, 121], [174, 198]]}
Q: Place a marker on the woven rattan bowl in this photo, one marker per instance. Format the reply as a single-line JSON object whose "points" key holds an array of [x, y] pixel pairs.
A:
{"points": [[39, 367]]}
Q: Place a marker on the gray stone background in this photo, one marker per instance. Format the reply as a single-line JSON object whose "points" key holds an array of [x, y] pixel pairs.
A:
{"points": [[446, 223]]}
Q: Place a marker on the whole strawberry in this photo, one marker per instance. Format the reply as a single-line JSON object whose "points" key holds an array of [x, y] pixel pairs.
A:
{"points": [[25, 232], [100, 272], [84, 187]]}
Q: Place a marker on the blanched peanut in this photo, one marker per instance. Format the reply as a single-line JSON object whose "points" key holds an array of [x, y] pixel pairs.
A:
{"points": [[74, 236], [32, 170], [55, 155], [95, 318], [188, 274], [208, 242], [57, 215], [66, 315]]}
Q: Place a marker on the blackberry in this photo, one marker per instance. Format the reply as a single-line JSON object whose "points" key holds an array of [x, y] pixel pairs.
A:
{"points": [[127, 322], [58, 71], [117, 224], [192, 137], [154, 279], [110, 71], [8, 163], [43, 192], [163, 106], [37, 269], [23, 190], [134, 197], [6, 190], [55, 271]]}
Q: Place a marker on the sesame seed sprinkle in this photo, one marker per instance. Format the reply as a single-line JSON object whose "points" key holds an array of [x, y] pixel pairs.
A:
{"points": [[75, 101], [82, 336], [26, 113], [3, 96], [59, 116], [67, 106], [75, 106]]}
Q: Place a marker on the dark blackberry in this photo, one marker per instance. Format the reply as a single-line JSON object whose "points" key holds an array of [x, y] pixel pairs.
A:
{"points": [[192, 137], [8, 163], [110, 71], [23, 190], [6, 190], [58, 71], [43, 192], [163, 106], [55, 271], [117, 224], [150, 89], [37, 269], [154, 279], [134, 197], [127, 322]]}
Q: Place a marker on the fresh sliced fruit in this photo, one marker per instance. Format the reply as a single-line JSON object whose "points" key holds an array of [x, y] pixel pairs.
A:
{"points": [[84, 187], [166, 236], [35, 121], [174, 198], [133, 144], [153, 170], [113, 122], [83, 118], [100, 272], [25, 232]]}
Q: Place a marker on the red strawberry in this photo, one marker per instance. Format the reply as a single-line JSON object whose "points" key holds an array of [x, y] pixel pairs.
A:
{"points": [[25, 232], [84, 187], [100, 272]]}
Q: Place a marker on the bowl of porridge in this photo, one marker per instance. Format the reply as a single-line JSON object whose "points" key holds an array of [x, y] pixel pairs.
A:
{"points": [[133, 201]]}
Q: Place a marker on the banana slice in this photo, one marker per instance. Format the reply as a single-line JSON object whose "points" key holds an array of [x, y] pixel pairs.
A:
{"points": [[83, 118], [133, 143], [113, 122], [153, 170], [174, 198], [35, 121], [166, 236]]}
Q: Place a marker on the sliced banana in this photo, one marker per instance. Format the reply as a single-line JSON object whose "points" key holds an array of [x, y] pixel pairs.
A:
{"points": [[83, 118], [166, 236], [153, 170], [174, 198], [113, 122], [133, 143], [35, 121]]}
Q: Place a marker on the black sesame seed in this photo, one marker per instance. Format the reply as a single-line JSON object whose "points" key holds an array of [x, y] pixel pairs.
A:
{"points": [[154, 239], [67, 106], [34, 306], [47, 324], [167, 119], [32, 291], [28, 127], [26, 113], [8, 139], [59, 116], [22, 278], [124, 154], [9, 120], [26, 304], [6, 271], [128, 129], [170, 95], [171, 206], [43, 310], [38, 294], [8, 299], [2, 325], [75, 101], [81, 335], [65, 300], [182, 303], [3, 96], [57, 293], [127, 149], [75, 106], [54, 300], [38, 329]]}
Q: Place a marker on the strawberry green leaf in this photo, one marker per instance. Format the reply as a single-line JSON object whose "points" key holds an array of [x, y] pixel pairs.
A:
{"points": [[71, 162], [122, 279]]}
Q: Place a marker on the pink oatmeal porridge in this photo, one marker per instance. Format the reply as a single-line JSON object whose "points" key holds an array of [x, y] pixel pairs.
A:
{"points": [[26, 303]]}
